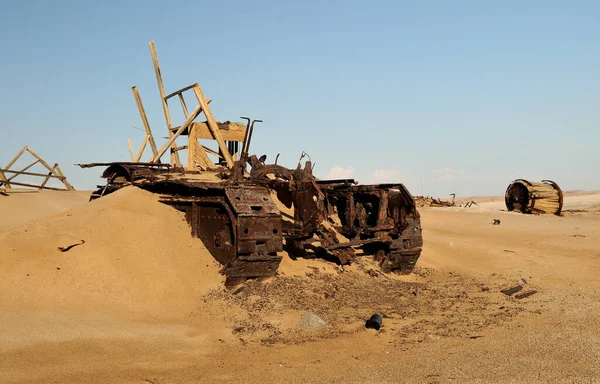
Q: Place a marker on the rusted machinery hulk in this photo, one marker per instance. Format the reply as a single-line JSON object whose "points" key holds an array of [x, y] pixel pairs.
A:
{"points": [[380, 220], [234, 212], [235, 215]]}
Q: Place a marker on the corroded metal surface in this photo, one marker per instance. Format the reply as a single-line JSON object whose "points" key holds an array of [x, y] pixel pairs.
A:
{"points": [[380, 220], [234, 214]]}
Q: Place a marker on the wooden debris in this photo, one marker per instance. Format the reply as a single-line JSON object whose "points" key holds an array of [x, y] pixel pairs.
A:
{"points": [[227, 135], [525, 294], [7, 183], [428, 201], [421, 201], [512, 291], [529, 197]]}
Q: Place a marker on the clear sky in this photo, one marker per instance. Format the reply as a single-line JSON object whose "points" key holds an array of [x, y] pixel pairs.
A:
{"points": [[457, 96]]}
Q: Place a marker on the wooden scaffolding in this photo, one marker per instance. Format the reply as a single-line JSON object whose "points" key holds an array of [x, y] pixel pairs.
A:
{"points": [[228, 136]]}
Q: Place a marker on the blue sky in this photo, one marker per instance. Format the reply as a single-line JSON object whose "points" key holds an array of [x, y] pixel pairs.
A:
{"points": [[457, 96]]}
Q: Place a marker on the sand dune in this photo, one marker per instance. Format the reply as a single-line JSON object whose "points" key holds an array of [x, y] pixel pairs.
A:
{"points": [[138, 261]]}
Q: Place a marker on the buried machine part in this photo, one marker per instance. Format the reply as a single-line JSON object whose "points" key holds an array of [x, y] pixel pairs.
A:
{"points": [[229, 198]]}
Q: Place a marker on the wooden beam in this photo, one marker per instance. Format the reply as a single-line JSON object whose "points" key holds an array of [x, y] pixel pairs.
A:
{"points": [[212, 125], [195, 152], [19, 190], [31, 174], [191, 147], [180, 148], [138, 101], [14, 159], [59, 172], [47, 178], [212, 151], [36, 186], [201, 156], [179, 91], [24, 169], [139, 155], [174, 156], [183, 106], [4, 181], [131, 150], [48, 167], [170, 142]]}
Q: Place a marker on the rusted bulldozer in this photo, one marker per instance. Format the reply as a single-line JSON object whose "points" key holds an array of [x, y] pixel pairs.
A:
{"points": [[247, 211]]}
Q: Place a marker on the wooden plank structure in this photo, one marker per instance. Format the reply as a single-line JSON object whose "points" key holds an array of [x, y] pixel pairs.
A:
{"points": [[7, 175], [148, 138], [530, 197], [227, 135]]}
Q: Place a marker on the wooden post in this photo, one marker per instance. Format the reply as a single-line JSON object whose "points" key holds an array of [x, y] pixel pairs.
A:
{"points": [[196, 153], [3, 181], [212, 125], [191, 147], [138, 101], [131, 150], [174, 156], [58, 172], [47, 178], [183, 106], [139, 155]]}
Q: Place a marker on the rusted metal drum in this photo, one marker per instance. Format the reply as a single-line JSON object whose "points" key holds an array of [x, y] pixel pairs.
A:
{"points": [[530, 197]]}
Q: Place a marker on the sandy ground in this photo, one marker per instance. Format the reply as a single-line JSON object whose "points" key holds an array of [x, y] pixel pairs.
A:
{"points": [[142, 302]]}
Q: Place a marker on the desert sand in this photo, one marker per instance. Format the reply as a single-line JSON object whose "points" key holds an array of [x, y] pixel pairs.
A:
{"points": [[141, 301]]}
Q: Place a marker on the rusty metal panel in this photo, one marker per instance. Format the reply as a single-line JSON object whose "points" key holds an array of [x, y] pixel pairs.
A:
{"points": [[252, 201]]}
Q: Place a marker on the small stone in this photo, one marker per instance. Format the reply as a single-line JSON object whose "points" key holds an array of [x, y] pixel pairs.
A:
{"points": [[310, 320]]}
